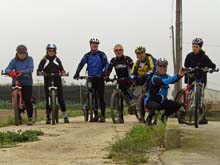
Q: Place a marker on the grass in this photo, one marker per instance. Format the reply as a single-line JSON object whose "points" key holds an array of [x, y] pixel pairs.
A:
{"points": [[133, 148], [10, 139]]}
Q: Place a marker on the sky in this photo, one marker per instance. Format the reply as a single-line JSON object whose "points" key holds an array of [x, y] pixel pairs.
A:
{"points": [[71, 23]]}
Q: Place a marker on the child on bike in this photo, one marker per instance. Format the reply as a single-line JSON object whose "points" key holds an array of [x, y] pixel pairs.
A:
{"points": [[52, 64], [198, 58], [122, 65], [21, 67], [96, 64], [156, 98]]}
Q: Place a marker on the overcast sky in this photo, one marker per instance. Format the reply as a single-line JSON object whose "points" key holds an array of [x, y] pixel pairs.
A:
{"points": [[71, 23]]}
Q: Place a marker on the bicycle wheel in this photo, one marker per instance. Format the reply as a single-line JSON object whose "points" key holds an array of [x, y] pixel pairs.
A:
{"points": [[116, 105], [57, 113], [185, 114], [140, 112], [53, 106], [198, 105], [85, 107], [16, 108], [91, 106]]}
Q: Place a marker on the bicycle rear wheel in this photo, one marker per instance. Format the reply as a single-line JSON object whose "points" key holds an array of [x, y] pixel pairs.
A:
{"points": [[185, 114], [140, 112], [16, 108], [53, 106], [116, 105]]}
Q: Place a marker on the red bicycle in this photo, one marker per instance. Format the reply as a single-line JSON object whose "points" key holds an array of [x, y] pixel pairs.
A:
{"points": [[17, 102]]}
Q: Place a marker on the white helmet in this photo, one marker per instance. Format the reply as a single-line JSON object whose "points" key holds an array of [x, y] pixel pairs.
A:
{"points": [[94, 40], [162, 61]]}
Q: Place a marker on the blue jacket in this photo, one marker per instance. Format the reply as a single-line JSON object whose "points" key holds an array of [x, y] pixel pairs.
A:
{"points": [[96, 63], [26, 66], [159, 85]]}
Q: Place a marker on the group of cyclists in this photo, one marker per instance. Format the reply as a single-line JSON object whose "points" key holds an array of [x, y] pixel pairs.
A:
{"points": [[146, 73]]}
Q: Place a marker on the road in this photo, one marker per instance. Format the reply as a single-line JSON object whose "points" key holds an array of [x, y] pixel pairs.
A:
{"points": [[198, 147], [74, 143]]}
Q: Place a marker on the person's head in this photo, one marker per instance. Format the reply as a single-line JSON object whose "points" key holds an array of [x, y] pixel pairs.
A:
{"points": [[21, 52], [140, 51], [94, 44], [51, 50], [197, 45], [119, 50], [162, 64]]}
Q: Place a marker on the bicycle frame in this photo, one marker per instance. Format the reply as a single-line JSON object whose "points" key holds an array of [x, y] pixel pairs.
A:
{"points": [[19, 94]]}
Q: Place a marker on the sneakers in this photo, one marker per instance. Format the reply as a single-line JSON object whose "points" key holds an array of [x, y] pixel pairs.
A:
{"points": [[102, 120], [203, 121], [48, 121], [66, 120], [30, 122]]}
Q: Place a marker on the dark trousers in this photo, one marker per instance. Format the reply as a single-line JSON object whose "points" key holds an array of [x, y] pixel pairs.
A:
{"points": [[98, 85], [58, 84], [27, 95], [125, 85], [169, 106]]}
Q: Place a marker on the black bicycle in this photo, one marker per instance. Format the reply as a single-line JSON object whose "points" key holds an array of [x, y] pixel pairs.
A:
{"points": [[117, 101], [192, 97], [90, 102], [53, 99]]}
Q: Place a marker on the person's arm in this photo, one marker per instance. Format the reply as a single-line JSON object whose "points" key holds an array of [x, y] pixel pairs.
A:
{"points": [[134, 69], [61, 69], [209, 63], [80, 66], [105, 61], [10, 66], [110, 67], [41, 65], [30, 66], [187, 62], [130, 62]]}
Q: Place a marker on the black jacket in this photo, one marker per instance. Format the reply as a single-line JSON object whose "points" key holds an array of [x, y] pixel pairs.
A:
{"points": [[201, 60], [122, 66]]}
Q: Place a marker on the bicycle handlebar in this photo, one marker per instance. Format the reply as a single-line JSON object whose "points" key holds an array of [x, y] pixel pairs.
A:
{"points": [[205, 70], [5, 74], [66, 74]]}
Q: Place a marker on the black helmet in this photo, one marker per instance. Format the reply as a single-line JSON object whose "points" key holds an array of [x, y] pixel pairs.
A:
{"points": [[198, 41], [51, 46], [21, 49], [162, 61]]}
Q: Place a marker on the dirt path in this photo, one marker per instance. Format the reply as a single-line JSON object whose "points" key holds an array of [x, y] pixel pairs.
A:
{"points": [[199, 146], [74, 143]]}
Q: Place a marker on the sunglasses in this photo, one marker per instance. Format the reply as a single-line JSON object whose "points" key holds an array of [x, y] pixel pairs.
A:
{"points": [[118, 50]]}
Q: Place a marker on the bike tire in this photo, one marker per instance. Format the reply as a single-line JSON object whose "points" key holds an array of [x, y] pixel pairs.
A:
{"points": [[53, 106], [90, 106], [198, 108], [140, 112], [180, 96], [116, 107], [16, 108], [57, 113]]}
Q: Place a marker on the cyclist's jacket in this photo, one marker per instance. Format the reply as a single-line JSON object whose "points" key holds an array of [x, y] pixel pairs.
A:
{"points": [[140, 71], [122, 66], [96, 63], [26, 66], [159, 85], [201, 60], [50, 64]]}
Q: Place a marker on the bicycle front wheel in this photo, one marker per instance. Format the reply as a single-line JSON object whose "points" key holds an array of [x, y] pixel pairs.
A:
{"points": [[53, 106], [116, 105], [199, 110], [16, 107]]}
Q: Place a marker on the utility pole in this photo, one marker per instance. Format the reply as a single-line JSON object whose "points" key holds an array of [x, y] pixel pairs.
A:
{"points": [[179, 29]]}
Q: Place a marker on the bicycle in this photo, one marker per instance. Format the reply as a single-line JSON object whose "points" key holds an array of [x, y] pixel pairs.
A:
{"points": [[117, 101], [53, 99], [192, 98], [90, 102], [17, 101]]}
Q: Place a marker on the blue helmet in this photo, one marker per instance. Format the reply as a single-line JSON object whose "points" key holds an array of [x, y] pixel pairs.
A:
{"points": [[51, 46]]}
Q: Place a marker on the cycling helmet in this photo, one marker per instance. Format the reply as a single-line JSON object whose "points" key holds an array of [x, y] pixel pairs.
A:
{"points": [[162, 61], [140, 49], [94, 40], [51, 46], [198, 41], [21, 49]]}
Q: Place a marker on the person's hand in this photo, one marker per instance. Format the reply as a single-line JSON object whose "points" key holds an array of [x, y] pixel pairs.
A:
{"points": [[19, 73], [181, 72], [12, 74]]}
